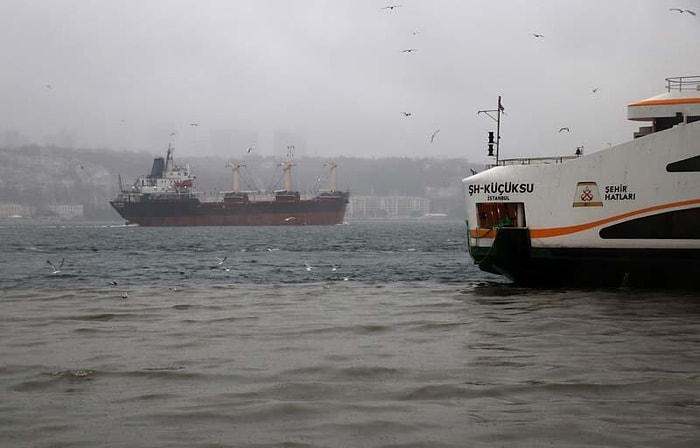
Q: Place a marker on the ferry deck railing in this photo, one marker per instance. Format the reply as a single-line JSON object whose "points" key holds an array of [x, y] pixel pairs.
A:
{"points": [[681, 83], [534, 160]]}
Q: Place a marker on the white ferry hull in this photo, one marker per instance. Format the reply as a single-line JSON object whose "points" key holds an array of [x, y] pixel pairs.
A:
{"points": [[629, 214]]}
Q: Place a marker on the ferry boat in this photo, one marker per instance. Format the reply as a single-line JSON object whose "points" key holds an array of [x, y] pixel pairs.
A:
{"points": [[625, 215], [166, 197]]}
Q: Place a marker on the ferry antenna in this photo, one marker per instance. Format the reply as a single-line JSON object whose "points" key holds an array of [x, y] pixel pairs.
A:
{"points": [[498, 111]]}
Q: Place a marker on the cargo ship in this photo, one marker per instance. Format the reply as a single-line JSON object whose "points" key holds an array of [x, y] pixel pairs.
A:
{"points": [[628, 214], [167, 197]]}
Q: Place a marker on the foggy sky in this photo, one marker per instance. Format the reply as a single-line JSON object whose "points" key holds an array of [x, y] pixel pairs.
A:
{"points": [[330, 75]]}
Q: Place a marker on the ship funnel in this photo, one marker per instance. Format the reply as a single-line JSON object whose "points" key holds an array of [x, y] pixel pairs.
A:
{"points": [[158, 167]]}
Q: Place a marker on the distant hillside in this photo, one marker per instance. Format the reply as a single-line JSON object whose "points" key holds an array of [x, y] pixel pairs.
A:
{"points": [[40, 176]]}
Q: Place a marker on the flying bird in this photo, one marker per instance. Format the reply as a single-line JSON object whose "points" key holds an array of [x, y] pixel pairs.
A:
{"points": [[391, 7], [112, 283], [48, 86], [56, 270], [692, 13], [125, 295], [406, 114], [594, 90], [194, 124], [409, 50], [537, 35], [250, 148], [221, 260], [289, 219], [473, 171], [432, 137], [564, 129], [172, 133], [308, 267]]}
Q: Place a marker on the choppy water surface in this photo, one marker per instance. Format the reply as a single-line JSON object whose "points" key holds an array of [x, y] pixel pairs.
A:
{"points": [[389, 337]]}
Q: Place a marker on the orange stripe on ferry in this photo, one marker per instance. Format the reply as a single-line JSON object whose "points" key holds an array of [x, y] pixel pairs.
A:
{"points": [[666, 102], [560, 231]]}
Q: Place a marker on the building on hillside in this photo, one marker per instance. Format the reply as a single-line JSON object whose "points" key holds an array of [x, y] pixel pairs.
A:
{"points": [[11, 210], [67, 211], [371, 207]]}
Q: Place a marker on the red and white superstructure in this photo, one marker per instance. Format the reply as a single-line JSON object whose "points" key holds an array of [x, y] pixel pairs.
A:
{"points": [[166, 177]]}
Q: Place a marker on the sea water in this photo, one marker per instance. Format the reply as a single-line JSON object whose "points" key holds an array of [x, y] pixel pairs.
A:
{"points": [[360, 335]]}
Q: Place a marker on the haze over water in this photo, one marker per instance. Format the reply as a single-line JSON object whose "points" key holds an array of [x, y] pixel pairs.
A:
{"points": [[392, 338]]}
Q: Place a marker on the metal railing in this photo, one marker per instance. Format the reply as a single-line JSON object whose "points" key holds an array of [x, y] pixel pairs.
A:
{"points": [[681, 83], [535, 160]]}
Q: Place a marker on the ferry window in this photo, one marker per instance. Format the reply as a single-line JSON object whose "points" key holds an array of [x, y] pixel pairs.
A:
{"points": [[500, 214], [684, 166], [663, 123], [678, 224]]}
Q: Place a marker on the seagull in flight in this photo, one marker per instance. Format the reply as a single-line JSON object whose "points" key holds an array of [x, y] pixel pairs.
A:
{"points": [[564, 129], [112, 283], [308, 267], [250, 148], [172, 133], [194, 124], [594, 90], [432, 137], [692, 13], [409, 50], [56, 270], [289, 219], [48, 86], [221, 260], [406, 114], [391, 7], [537, 35]]}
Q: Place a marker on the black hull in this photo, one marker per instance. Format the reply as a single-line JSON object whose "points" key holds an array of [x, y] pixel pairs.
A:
{"points": [[512, 256]]}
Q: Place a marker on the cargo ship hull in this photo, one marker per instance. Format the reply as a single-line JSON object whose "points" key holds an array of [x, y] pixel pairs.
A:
{"points": [[192, 212], [166, 197]]}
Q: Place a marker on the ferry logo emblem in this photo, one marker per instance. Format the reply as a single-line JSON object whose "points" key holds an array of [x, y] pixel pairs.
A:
{"points": [[587, 195]]}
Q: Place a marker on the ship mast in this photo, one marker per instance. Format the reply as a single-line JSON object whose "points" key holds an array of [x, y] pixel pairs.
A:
{"points": [[287, 169], [331, 178], [234, 168], [169, 158], [498, 110]]}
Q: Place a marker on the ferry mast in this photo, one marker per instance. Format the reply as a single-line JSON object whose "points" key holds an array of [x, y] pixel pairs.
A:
{"points": [[497, 119]]}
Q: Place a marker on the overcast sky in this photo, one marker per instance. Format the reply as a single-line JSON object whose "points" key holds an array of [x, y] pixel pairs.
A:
{"points": [[332, 76]]}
